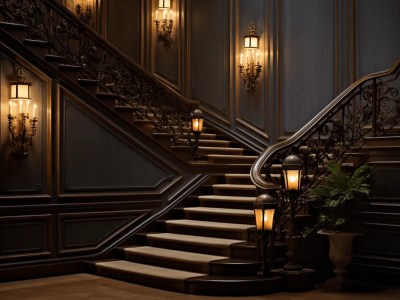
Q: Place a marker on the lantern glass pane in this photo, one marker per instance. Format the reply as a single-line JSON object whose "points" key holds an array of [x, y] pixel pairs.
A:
{"points": [[254, 42], [247, 42], [197, 124], [23, 91], [292, 179], [267, 218], [13, 91], [164, 4]]}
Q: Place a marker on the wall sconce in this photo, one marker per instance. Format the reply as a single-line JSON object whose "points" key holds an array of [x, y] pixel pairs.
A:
{"points": [[264, 211], [292, 167], [252, 71], [196, 127], [84, 10], [164, 26], [18, 116]]}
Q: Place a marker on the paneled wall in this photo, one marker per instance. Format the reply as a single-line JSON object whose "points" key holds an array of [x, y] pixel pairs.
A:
{"points": [[310, 51], [85, 182]]}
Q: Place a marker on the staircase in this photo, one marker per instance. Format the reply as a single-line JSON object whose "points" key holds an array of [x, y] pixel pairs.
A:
{"points": [[206, 245]]}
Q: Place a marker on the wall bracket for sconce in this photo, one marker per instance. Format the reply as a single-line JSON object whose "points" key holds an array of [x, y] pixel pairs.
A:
{"points": [[252, 71], [84, 10], [164, 25], [21, 125]]}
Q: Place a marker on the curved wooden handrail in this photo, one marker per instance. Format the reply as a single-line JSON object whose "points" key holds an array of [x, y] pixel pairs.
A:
{"points": [[261, 161]]}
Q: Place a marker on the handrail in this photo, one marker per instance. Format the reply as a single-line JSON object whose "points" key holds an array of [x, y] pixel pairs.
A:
{"points": [[374, 92], [72, 39]]}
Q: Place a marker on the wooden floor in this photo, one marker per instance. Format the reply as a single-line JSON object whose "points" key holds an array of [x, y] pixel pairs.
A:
{"points": [[86, 286]]}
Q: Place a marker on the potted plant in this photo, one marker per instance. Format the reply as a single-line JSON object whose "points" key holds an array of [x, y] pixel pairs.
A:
{"points": [[336, 200]]}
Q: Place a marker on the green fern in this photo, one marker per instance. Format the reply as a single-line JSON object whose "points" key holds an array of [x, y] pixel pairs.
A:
{"points": [[336, 198]]}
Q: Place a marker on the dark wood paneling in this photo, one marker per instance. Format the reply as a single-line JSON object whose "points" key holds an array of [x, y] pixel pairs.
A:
{"points": [[378, 28], [383, 181], [123, 18], [28, 175], [82, 232], [210, 55], [25, 236], [94, 158], [307, 60], [252, 106]]}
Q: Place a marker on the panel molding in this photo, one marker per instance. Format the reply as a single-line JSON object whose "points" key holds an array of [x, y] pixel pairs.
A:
{"points": [[43, 249], [127, 217]]}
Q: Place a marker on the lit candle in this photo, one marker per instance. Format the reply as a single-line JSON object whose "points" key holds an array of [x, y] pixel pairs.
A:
{"points": [[34, 110], [241, 59], [156, 14], [9, 107], [164, 14], [247, 56], [171, 14], [27, 107], [20, 106], [257, 56]]}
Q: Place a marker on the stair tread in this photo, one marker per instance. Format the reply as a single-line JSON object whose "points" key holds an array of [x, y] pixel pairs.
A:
{"points": [[234, 186], [149, 270], [193, 239], [218, 210], [221, 148], [227, 156], [174, 254], [209, 224], [228, 198]]}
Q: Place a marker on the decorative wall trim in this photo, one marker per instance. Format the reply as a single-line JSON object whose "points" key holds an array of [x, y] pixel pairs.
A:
{"points": [[125, 218], [19, 232]]}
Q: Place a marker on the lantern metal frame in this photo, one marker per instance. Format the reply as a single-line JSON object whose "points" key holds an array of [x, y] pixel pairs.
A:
{"points": [[264, 202], [196, 128]]}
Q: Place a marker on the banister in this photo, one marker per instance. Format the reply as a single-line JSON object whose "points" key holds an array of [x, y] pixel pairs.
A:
{"points": [[68, 37], [266, 155]]}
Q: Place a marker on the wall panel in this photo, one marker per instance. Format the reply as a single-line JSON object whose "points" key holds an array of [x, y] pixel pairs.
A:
{"points": [[25, 236], [94, 158], [378, 27], [210, 55], [306, 59]]}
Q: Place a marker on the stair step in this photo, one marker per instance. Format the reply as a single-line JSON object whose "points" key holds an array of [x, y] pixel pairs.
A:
{"points": [[223, 201], [164, 278], [238, 178], [209, 228], [235, 189], [168, 258], [15, 29], [54, 58], [192, 243], [227, 285], [38, 46], [90, 85], [220, 150], [229, 215], [383, 141], [214, 143], [231, 159]]}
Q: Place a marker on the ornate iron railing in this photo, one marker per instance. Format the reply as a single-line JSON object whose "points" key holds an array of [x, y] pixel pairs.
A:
{"points": [[72, 39], [368, 107]]}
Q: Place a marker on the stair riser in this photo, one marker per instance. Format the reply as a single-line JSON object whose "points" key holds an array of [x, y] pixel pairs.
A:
{"points": [[176, 245], [227, 151], [166, 284], [238, 180], [221, 268], [216, 218], [226, 204], [216, 160], [168, 263], [40, 50], [244, 252], [238, 192], [219, 233]]}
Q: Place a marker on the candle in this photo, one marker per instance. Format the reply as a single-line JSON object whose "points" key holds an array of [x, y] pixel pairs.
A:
{"points": [[157, 15], [257, 56], [9, 107], [164, 14], [171, 14], [20, 106], [247, 56], [27, 107], [34, 111], [241, 59]]}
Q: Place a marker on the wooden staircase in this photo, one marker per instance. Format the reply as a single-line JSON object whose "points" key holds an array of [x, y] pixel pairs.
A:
{"points": [[206, 245]]}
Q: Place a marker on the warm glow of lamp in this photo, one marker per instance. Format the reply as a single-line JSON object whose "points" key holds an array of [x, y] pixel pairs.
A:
{"points": [[291, 169], [21, 125], [164, 4], [264, 210], [197, 119], [251, 39]]}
